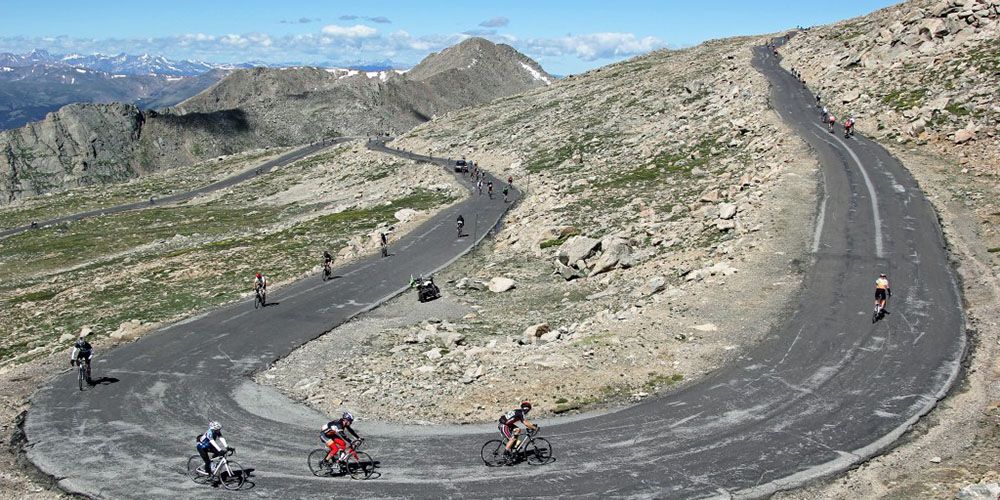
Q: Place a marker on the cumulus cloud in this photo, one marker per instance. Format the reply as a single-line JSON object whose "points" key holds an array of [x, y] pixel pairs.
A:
{"points": [[593, 46], [496, 22], [356, 31]]}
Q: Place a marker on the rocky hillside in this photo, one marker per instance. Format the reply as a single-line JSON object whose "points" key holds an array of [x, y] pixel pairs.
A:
{"points": [[647, 204], [921, 74], [294, 105], [252, 108]]}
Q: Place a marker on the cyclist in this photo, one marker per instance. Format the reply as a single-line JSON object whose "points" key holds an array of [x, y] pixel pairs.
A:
{"points": [[460, 223], [489, 189], [260, 283], [510, 181], [334, 436], [384, 243], [832, 120], [506, 192], [508, 424], [882, 290], [82, 353], [479, 185], [849, 126], [212, 443], [825, 116]]}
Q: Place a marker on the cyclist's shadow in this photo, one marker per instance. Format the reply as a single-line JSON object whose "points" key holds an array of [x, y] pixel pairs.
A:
{"points": [[103, 381]]}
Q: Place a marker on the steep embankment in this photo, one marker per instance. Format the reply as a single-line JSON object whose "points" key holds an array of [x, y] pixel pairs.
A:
{"points": [[655, 189], [253, 108], [922, 78]]}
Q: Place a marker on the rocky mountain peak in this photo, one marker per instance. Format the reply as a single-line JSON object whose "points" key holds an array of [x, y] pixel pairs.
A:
{"points": [[475, 54]]}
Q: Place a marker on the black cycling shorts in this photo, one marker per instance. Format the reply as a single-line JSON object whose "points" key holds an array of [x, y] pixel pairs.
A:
{"points": [[879, 294]]}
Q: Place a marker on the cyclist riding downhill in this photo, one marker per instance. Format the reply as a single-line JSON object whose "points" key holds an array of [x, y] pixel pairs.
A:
{"points": [[832, 120], [459, 224], [327, 264], [334, 436], [508, 425], [211, 444], [82, 353]]}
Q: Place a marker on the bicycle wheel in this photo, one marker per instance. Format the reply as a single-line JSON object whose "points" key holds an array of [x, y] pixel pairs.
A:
{"points": [[232, 475], [318, 463], [360, 465], [492, 453], [538, 451], [193, 464], [80, 376], [256, 301]]}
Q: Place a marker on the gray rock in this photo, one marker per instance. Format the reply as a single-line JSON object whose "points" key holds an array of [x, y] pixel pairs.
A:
{"points": [[577, 248], [981, 491], [654, 285], [568, 273], [533, 332], [501, 284], [727, 210], [616, 252], [550, 336]]}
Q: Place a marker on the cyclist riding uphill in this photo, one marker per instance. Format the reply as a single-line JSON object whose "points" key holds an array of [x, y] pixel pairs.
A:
{"points": [[508, 424], [82, 352], [882, 290], [327, 259], [334, 436], [212, 442], [260, 283]]}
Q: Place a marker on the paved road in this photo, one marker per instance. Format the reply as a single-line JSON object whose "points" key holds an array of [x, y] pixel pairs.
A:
{"points": [[825, 390], [232, 180]]}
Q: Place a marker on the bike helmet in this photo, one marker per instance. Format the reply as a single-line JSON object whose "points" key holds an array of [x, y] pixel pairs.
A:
{"points": [[215, 426], [881, 275], [347, 416], [525, 406], [258, 275]]}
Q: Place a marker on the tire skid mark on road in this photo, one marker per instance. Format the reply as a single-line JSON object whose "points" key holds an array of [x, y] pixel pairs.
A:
{"points": [[871, 193]]}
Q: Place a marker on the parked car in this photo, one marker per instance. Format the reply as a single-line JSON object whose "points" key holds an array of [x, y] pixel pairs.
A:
{"points": [[461, 166]]}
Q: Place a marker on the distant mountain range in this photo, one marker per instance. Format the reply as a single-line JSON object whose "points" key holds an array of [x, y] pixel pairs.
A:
{"points": [[248, 108], [39, 82]]}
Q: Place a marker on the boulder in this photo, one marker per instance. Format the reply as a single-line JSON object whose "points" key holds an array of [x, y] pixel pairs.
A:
{"points": [[981, 491], [405, 214], [654, 285], [129, 330], [433, 354], [727, 210], [725, 225], [85, 331], [615, 253], [711, 196], [534, 332], [964, 135], [66, 337], [577, 248], [568, 273], [550, 336], [850, 96], [501, 284]]}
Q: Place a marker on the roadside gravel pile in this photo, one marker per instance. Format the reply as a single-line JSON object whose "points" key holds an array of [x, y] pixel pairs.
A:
{"points": [[922, 79], [665, 218]]}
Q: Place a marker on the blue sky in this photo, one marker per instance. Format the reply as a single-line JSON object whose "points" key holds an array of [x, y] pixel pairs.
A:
{"points": [[564, 36]]}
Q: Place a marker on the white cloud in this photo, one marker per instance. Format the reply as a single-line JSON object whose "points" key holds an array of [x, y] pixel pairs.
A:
{"points": [[593, 46], [356, 31]]}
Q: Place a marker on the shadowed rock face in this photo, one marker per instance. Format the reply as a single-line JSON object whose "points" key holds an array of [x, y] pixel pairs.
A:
{"points": [[260, 107]]}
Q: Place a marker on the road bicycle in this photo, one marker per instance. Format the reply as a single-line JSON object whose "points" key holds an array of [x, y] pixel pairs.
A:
{"points": [[357, 464], [459, 225], [879, 312], [231, 474], [531, 448], [260, 300], [83, 371]]}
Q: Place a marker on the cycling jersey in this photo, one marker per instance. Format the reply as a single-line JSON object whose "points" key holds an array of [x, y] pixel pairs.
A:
{"points": [[212, 439], [511, 418], [260, 282], [81, 350], [334, 429], [882, 284]]}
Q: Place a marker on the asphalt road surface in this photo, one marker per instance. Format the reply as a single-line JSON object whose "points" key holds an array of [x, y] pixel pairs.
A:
{"points": [[825, 390], [232, 180]]}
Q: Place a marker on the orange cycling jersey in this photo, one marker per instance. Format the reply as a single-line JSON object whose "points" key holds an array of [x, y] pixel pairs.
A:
{"points": [[882, 284]]}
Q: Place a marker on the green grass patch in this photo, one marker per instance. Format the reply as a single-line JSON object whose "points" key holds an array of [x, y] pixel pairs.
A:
{"points": [[905, 98]]}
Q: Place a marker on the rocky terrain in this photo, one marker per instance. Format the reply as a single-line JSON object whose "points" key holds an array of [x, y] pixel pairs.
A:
{"points": [[922, 79], [647, 208], [99, 143]]}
